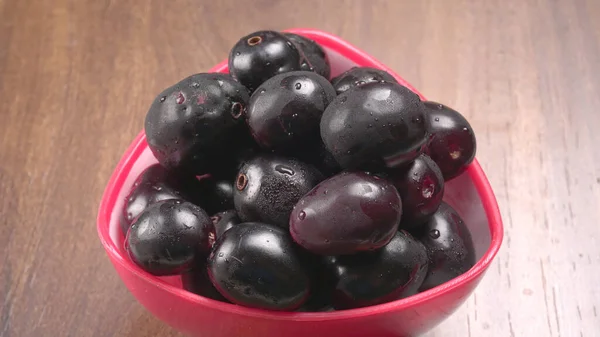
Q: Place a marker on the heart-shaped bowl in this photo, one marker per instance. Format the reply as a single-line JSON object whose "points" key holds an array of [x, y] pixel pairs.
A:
{"points": [[470, 194]]}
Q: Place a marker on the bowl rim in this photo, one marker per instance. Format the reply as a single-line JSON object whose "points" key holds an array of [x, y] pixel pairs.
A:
{"points": [[474, 170]]}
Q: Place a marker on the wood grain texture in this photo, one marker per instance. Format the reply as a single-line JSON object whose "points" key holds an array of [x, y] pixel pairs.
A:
{"points": [[76, 78]]}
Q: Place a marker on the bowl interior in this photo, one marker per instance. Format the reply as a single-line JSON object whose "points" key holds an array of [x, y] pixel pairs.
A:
{"points": [[470, 193]]}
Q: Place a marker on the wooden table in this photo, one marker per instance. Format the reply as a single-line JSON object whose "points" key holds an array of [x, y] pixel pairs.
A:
{"points": [[76, 79]]}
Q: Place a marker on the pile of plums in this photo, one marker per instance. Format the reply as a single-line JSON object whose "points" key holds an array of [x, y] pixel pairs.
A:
{"points": [[281, 189]]}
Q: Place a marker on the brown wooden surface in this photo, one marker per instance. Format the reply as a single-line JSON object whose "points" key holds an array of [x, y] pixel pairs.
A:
{"points": [[76, 78]]}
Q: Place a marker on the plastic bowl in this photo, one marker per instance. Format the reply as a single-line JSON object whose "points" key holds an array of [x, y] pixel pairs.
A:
{"points": [[469, 193]]}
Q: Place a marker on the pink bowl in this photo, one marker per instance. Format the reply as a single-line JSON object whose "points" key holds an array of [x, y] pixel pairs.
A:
{"points": [[469, 193]]}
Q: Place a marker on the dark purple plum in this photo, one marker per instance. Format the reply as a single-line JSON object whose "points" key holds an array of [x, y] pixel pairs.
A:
{"points": [[421, 187], [169, 236], [214, 195], [449, 246], [346, 214], [315, 58], [452, 145], [223, 221], [285, 111], [154, 184], [197, 281], [395, 271], [257, 265], [268, 186], [261, 55], [357, 76], [375, 126], [198, 124]]}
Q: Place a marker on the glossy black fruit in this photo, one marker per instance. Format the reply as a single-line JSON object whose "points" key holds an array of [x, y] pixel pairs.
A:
{"points": [[214, 195], [315, 58], [452, 145], [267, 188], [357, 76], [256, 265], [395, 271], [154, 184], [373, 126], [346, 214], [198, 124], [169, 236], [223, 221], [198, 282], [262, 55], [421, 187], [449, 246], [284, 113]]}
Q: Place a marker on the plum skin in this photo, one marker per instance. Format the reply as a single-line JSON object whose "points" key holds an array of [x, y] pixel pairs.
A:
{"points": [[197, 281], [154, 184], [197, 125], [346, 214], [357, 76], [315, 58], [261, 55], [257, 265], [214, 195], [320, 158], [223, 221], [285, 111], [452, 144], [169, 237], [393, 272], [375, 126], [449, 246], [421, 187], [268, 186]]}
